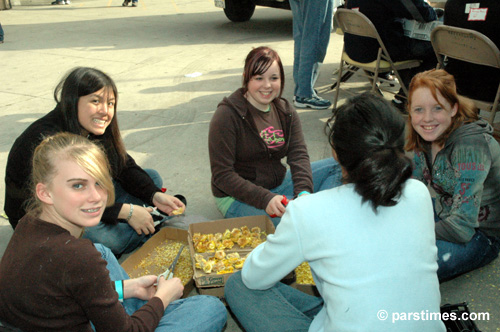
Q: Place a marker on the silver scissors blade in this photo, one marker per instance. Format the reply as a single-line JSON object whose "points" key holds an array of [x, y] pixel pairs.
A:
{"points": [[169, 272]]}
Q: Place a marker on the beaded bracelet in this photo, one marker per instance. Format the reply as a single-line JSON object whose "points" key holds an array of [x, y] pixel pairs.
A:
{"points": [[130, 213]]}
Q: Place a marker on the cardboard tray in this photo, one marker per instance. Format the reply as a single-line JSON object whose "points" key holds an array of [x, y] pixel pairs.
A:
{"points": [[129, 265], [213, 283]]}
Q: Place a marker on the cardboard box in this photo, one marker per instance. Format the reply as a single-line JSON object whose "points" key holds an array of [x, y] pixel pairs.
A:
{"points": [[213, 283], [130, 264], [419, 30]]}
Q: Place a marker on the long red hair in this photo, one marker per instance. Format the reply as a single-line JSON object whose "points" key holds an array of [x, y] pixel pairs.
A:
{"points": [[444, 83]]}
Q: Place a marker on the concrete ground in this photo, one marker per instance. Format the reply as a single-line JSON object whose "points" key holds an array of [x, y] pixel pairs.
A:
{"points": [[172, 61]]}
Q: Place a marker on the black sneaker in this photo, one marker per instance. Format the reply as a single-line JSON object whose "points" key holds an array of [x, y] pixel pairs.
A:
{"points": [[314, 102]]}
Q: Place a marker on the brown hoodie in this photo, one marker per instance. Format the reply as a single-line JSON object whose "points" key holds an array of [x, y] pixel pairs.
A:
{"points": [[242, 165]]}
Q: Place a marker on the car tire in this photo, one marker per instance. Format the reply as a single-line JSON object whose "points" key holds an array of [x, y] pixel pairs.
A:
{"points": [[239, 10]]}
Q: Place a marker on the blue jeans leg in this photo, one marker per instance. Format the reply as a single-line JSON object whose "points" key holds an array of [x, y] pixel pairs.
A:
{"points": [[116, 272], [458, 258], [195, 313], [121, 196], [240, 209], [280, 308], [326, 174], [121, 238], [312, 24]]}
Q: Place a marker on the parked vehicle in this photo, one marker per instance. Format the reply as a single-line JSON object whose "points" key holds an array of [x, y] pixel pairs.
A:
{"points": [[242, 10]]}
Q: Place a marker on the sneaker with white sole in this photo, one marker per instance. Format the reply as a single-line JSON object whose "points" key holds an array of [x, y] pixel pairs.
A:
{"points": [[314, 102]]}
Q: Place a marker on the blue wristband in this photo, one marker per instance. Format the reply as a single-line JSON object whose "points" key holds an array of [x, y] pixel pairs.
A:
{"points": [[303, 193], [119, 289]]}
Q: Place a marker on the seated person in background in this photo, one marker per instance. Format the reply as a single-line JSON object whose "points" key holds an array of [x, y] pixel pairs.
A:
{"points": [[387, 17], [52, 280], [250, 133], [455, 153], [475, 81], [87, 102], [370, 243]]}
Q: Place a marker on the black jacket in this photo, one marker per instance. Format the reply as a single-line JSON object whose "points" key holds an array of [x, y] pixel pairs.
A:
{"points": [[474, 81], [386, 16], [19, 166]]}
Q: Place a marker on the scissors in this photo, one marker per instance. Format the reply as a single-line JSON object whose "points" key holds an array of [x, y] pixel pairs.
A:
{"points": [[158, 216], [169, 272]]}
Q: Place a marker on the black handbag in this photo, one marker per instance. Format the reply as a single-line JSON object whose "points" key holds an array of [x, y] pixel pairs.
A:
{"points": [[452, 316]]}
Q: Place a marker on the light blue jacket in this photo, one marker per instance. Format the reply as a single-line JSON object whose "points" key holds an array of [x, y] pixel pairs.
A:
{"points": [[363, 263]]}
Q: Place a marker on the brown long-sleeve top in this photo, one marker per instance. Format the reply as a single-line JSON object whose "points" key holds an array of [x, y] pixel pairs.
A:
{"points": [[242, 165], [51, 281]]}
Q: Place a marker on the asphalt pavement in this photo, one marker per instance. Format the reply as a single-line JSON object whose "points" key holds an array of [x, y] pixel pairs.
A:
{"points": [[173, 62]]}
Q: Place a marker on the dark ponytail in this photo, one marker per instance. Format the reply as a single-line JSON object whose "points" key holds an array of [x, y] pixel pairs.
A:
{"points": [[367, 134]]}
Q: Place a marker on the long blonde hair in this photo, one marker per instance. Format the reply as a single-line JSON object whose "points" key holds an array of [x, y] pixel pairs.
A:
{"points": [[444, 83], [90, 157]]}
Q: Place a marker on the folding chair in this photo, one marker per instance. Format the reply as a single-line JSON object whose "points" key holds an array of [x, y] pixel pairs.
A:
{"points": [[470, 46], [356, 23]]}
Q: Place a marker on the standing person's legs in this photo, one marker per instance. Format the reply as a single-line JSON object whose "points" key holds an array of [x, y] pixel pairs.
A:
{"points": [[280, 308], [1, 34], [458, 258], [121, 238], [311, 37], [298, 26]]}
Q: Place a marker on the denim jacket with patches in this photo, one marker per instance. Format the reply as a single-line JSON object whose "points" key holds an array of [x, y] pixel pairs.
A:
{"points": [[466, 178]]}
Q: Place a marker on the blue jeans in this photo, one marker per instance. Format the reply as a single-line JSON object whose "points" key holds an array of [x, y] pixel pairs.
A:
{"points": [[196, 313], [1, 33], [280, 308], [455, 259], [326, 174], [312, 26], [121, 238]]}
